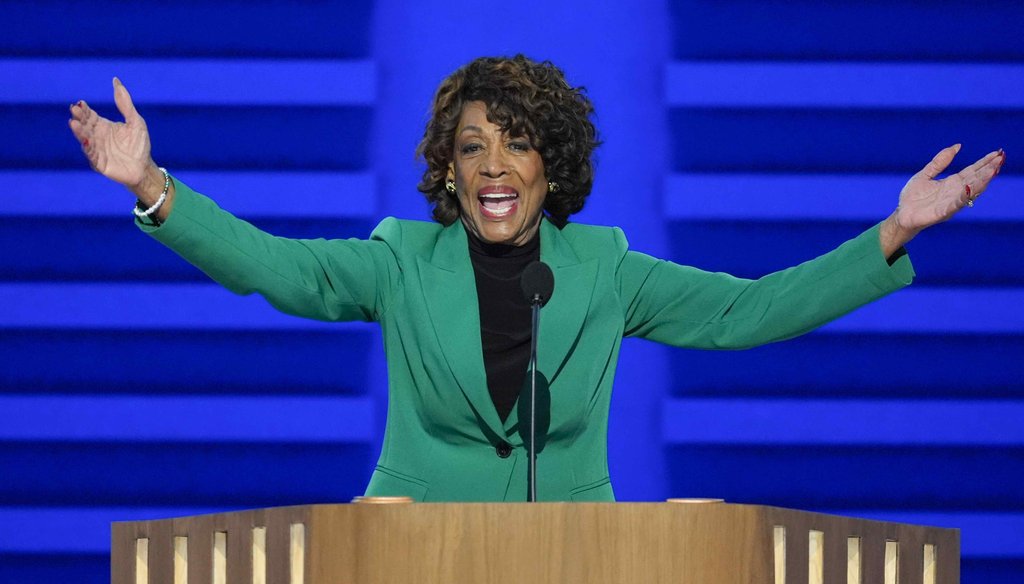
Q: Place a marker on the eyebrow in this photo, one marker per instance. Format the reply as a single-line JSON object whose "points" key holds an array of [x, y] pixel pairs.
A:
{"points": [[478, 129]]}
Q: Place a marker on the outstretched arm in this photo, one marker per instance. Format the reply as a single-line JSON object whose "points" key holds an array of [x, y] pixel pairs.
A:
{"points": [[321, 279], [120, 151], [683, 306], [925, 201]]}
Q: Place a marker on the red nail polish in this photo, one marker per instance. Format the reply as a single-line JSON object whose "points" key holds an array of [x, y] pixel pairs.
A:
{"points": [[86, 143], [968, 187]]}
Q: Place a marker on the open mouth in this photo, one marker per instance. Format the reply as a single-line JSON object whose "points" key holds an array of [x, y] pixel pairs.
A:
{"points": [[496, 203]]}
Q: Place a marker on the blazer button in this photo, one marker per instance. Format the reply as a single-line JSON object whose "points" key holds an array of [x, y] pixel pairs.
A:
{"points": [[504, 450]]}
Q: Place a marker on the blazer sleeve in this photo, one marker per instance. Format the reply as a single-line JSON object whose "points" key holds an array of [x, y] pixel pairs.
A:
{"points": [[314, 278], [686, 307]]}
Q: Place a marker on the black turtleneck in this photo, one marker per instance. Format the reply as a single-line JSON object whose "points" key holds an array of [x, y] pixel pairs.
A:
{"points": [[504, 315]]}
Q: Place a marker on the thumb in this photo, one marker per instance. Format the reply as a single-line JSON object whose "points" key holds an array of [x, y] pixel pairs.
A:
{"points": [[124, 101], [940, 162]]}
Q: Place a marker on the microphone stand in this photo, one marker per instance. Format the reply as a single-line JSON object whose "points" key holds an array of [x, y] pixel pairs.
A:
{"points": [[538, 283], [531, 448]]}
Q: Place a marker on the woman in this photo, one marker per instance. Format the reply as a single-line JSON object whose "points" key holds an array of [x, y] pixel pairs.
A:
{"points": [[508, 152]]}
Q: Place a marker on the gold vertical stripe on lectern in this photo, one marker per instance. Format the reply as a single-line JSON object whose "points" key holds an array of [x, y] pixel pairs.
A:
{"points": [[220, 557], [929, 563], [780, 554], [142, 561], [892, 562], [816, 557], [259, 555], [297, 553], [180, 559], [853, 560]]}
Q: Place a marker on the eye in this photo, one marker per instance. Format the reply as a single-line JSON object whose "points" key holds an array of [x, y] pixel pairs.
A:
{"points": [[470, 148], [519, 146]]}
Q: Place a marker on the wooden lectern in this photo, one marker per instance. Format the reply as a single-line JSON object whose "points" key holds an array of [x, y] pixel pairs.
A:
{"points": [[705, 543]]}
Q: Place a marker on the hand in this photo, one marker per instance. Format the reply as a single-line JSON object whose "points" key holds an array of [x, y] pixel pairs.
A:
{"points": [[925, 201], [119, 151]]}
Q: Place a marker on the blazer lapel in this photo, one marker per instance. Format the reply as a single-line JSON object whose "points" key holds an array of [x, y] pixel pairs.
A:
{"points": [[449, 287], [561, 319]]}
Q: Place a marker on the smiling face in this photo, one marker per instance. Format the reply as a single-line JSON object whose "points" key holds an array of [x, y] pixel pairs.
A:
{"points": [[499, 179]]}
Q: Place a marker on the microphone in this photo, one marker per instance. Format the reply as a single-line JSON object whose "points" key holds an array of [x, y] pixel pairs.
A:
{"points": [[538, 284]]}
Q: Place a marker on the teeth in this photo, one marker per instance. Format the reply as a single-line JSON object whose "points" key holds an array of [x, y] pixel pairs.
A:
{"points": [[498, 204], [499, 212]]}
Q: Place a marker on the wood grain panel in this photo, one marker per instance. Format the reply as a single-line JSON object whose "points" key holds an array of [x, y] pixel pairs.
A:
{"points": [[597, 543]]}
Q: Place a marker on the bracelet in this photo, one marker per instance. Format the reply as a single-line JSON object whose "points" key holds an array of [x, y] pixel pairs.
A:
{"points": [[163, 197]]}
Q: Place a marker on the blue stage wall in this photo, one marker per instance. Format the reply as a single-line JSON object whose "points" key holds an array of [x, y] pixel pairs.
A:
{"points": [[739, 136]]}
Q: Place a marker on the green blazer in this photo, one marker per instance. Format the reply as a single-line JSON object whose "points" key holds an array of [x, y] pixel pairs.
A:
{"points": [[443, 436]]}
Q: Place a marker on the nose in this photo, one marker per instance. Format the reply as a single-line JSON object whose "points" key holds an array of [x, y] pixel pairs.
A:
{"points": [[495, 165]]}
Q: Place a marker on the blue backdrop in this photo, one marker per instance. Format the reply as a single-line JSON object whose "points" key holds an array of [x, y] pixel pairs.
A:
{"points": [[740, 136]]}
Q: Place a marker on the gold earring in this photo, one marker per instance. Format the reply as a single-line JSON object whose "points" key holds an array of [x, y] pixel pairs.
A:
{"points": [[450, 186], [552, 187]]}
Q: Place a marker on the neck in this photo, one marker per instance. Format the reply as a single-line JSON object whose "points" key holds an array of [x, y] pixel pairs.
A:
{"points": [[497, 250]]}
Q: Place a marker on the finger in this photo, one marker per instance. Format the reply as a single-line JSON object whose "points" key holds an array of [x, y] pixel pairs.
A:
{"points": [[83, 139], [77, 129], [1002, 160], [981, 180], [81, 133], [989, 160], [79, 110], [91, 119], [967, 195], [978, 177], [88, 147], [940, 162], [86, 115], [983, 167], [124, 101], [79, 115]]}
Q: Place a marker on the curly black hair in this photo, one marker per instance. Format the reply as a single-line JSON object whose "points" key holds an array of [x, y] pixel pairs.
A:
{"points": [[524, 98]]}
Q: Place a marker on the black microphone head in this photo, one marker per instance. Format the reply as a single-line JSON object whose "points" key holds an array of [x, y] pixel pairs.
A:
{"points": [[538, 283]]}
